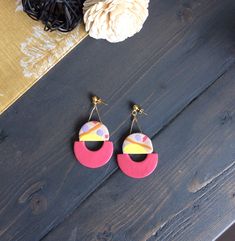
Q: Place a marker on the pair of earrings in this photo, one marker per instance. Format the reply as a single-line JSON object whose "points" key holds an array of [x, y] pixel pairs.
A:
{"points": [[135, 143]]}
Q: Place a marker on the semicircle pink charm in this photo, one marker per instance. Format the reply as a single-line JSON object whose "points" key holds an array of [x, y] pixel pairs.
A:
{"points": [[93, 159], [137, 143], [93, 131], [137, 169]]}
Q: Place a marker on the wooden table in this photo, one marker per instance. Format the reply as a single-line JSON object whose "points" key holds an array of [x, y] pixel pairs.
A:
{"points": [[180, 68]]}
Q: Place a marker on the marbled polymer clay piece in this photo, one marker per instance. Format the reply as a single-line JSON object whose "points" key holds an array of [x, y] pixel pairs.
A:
{"points": [[137, 143], [93, 131]]}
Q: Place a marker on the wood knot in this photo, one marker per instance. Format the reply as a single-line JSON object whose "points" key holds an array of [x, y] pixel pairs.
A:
{"points": [[185, 14], [38, 204], [196, 207], [106, 235], [226, 117], [3, 136], [162, 86], [33, 189]]}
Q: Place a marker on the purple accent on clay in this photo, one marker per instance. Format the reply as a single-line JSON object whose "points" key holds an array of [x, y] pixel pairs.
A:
{"points": [[138, 137], [85, 128], [100, 132]]}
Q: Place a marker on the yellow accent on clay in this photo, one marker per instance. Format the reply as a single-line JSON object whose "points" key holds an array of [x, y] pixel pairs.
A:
{"points": [[91, 137], [134, 149], [138, 143], [91, 130]]}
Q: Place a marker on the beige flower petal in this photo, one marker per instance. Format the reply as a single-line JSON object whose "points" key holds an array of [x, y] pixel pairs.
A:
{"points": [[114, 20]]}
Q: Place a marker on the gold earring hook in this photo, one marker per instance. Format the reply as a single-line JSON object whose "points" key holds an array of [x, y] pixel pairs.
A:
{"points": [[136, 109], [96, 101]]}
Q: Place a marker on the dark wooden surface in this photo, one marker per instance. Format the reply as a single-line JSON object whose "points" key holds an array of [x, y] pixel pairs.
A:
{"points": [[180, 67], [188, 194]]}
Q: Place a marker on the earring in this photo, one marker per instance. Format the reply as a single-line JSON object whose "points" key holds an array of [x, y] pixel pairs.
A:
{"points": [[93, 131], [137, 143]]}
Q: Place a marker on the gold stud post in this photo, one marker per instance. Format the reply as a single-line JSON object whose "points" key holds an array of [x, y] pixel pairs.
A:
{"points": [[97, 100], [136, 109]]}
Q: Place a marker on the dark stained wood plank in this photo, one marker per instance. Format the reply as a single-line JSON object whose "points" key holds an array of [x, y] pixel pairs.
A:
{"points": [[192, 194], [183, 49]]}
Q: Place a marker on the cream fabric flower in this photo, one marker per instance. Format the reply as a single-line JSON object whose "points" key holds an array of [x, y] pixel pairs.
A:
{"points": [[114, 20]]}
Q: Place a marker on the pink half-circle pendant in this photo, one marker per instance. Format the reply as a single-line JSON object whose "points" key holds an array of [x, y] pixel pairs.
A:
{"points": [[93, 159], [137, 169]]}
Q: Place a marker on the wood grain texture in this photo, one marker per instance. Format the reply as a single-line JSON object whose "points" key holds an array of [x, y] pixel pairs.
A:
{"points": [[192, 194], [183, 49]]}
